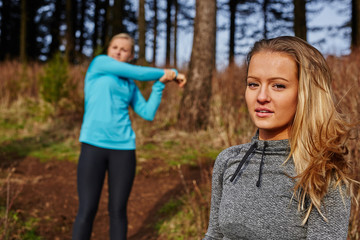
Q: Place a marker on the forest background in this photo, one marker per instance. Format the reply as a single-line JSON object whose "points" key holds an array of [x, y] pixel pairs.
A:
{"points": [[46, 46]]}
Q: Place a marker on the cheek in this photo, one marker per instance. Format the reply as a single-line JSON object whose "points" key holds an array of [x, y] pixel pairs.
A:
{"points": [[247, 97], [291, 106]]}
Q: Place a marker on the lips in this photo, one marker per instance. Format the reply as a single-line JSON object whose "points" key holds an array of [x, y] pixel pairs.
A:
{"points": [[263, 112]]}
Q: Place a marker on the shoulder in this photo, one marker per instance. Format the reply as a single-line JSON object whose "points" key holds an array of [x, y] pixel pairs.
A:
{"points": [[98, 61], [229, 153], [101, 58]]}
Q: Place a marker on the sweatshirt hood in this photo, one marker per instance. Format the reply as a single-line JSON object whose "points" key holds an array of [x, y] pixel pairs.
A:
{"points": [[265, 148], [272, 146]]}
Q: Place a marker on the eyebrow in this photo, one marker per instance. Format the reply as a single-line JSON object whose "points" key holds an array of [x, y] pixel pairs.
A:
{"points": [[273, 78]]}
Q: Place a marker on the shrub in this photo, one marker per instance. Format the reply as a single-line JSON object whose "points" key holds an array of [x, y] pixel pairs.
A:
{"points": [[53, 81]]}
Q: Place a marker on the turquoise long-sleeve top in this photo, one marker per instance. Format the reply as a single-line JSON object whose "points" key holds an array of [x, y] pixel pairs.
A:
{"points": [[109, 91]]}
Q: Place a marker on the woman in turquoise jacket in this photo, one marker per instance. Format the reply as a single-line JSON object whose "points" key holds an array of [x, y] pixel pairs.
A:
{"points": [[108, 140]]}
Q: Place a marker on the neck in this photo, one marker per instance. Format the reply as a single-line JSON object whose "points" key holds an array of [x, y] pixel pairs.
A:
{"points": [[273, 135]]}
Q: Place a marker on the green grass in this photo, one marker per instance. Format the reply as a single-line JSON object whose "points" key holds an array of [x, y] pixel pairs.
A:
{"points": [[64, 150], [30, 128], [178, 151], [16, 228], [180, 221]]}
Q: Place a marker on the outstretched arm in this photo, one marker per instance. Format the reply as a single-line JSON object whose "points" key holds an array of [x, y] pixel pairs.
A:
{"points": [[147, 109], [105, 64]]}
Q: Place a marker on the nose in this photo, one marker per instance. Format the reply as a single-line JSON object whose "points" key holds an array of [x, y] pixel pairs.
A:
{"points": [[263, 95]]}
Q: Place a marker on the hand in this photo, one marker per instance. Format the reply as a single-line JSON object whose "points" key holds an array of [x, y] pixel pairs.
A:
{"points": [[168, 76], [181, 80]]}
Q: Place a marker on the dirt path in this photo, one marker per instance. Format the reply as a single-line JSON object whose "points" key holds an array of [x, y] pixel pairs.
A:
{"points": [[47, 191]]}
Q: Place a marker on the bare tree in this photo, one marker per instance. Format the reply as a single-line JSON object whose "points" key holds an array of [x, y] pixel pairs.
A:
{"points": [[195, 104]]}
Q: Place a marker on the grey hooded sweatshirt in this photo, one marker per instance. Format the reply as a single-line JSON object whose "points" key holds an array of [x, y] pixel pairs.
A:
{"points": [[252, 198]]}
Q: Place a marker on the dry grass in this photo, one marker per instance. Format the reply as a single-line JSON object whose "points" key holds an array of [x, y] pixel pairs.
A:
{"points": [[346, 73]]}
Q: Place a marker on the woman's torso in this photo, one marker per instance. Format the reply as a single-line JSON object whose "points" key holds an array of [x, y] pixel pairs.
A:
{"points": [[265, 212]]}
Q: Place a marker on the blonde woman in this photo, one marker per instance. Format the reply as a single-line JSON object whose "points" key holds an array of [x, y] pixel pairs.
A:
{"points": [[108, 140], [292, 181]]}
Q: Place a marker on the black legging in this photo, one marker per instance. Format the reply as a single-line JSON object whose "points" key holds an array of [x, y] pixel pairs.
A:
{"points": [[92, 166]]}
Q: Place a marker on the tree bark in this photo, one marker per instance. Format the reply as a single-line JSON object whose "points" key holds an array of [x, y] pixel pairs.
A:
{"points": [[355, 24], [168, 32], [23, 32], [117, 17], [265, 12], [142, 32], [300, 29], [175, 31], [96, 27], [232, 6], [4, 34], [105, 33], [195, 104], [155, 9], [54, 29], [82, 26], [70, 32]]}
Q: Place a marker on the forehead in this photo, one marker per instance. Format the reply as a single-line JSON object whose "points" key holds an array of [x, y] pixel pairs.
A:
{"points": [[267, 62], [123, 42]]}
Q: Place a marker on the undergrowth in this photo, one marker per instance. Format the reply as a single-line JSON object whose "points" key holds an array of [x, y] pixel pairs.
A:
{"points": [[13, 224]]}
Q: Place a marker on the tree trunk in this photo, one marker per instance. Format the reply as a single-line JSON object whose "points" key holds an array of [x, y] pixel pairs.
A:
{"points": [[155, 9], [265, 12], [82, 26], [168, 32], [232, 6], [142, 32], [54, 29], [96, 27], [4, 33], [300, 29], [117, 17], [70, 35], [195, 104], [175, 31], [355, 24], [23, 31], [105, 33], [33, 30]]}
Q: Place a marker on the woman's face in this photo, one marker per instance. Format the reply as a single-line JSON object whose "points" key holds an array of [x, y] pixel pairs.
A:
{"points": [[271, 93], [120, 49]]}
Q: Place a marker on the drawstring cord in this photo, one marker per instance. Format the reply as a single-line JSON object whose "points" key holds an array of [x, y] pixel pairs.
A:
{"points": [[261, 166], [251, 149]]}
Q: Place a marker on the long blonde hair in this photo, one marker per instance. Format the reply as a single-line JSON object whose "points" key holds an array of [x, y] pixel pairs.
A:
{"points": [[319, 132]]}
